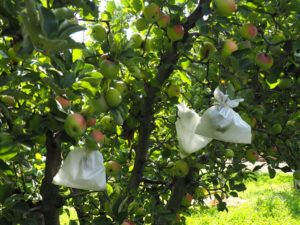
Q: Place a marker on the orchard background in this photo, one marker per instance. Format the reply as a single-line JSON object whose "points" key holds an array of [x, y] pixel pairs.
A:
{"points": [[135, 62]]}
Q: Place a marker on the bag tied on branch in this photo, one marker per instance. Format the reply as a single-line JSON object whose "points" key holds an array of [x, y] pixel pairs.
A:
{"points": [[222, 123], [82, 169], [186, 123]]}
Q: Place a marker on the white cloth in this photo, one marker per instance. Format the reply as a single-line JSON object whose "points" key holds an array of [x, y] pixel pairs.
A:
{"points": [[186, 123], [222, 123], [82, 169]]}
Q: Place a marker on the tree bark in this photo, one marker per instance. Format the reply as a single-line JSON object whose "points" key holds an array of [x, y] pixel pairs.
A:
{"points": [[51, 198]]}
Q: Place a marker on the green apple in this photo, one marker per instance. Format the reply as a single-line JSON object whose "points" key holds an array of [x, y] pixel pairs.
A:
{"points": [[264, 61], [148, 45], [296, 174], [121, 87], [98, 33], [181, 168], [175, 32], [113, 97], [97, 135], [248, 31], [109, 69], [99, 105], [75, 125], [251, 155], [225, 7], [201, 192], [8, 100], [113, 168], [276, 128], [229, 153], [285, 83], [65, 103], [63, 13], [107, 123], [136, 40], [5, 138], [140, 211], [229, 47], [152, 12], [173, 91], [164, 21], [207, 48], [141, 24]]}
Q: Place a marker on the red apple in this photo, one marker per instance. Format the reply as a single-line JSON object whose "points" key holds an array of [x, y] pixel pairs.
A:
{"points": [[251, 155], [229, 47], [264, 61], [175, 32], [75, 125], [65, 103], [164, 21], [127, 222], [248, 31], [152, 12], [90, 122], [98, 136], [113, 168], [225, 7]]}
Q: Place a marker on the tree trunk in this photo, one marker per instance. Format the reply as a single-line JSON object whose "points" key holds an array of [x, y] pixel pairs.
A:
{"points": [[51, 198]]}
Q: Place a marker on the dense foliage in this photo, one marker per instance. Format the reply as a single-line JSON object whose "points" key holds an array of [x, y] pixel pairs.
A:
{"points": [[155, 57]]}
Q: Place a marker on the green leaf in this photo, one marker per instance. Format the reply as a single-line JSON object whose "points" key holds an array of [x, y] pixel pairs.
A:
{"points": [[48, 22], [272, 172], [85, 87], [7, 152]]}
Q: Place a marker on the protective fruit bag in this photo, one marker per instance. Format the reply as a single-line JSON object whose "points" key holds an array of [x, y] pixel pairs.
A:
{"points": [[82, 169], [186, 123], [222, 123]]}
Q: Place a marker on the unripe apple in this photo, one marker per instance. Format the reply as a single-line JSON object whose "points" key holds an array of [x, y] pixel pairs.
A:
{"points": [[229, 153], [201, 192], [8, 100], [181, 168], [136, 40], [97, 135], [207, 48], [248, 31], [164, 21], [121, 87], [175, 32], [251, 155], [107, 123], [99, 105], [141, 24], [65, 103], [229, 47], [5, 138], [98, 33], [276, 128], [285, 83], [113, 168], [109, 69], [152, 12], [113, 97], [75, 125], [225, 7], [264, 61], [173, 91]]}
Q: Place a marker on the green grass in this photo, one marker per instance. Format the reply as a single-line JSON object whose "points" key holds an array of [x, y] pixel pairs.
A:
{"points": [[268, 202]]}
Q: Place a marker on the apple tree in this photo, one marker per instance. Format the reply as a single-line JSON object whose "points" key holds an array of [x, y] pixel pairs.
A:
{"points": [[115, 89]]}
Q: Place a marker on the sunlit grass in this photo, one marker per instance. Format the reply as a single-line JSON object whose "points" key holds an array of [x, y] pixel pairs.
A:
{"points": [[268, 201]]}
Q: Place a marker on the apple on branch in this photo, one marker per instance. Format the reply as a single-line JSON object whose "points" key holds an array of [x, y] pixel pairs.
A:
{"points": [[64, 102], [99, 104], [164, 21], [175, 32], [8, 100], [127, 222], [181, 168], [109, 69], [225, 7], [75, 125], [264, 61], [98, 33], [113, 168], [248, 31], [229, 47], [113, 97], [141, 24], [152, 12]]}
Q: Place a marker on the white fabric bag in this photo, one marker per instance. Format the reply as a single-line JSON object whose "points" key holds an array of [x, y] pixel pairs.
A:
{"points": [[186, 123], [82, 169], [222, 123]]}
